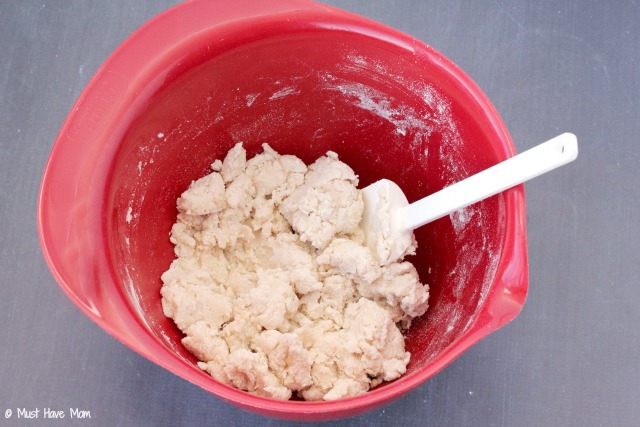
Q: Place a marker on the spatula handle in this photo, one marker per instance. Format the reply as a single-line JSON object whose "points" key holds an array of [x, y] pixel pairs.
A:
{"points": [[509, 173]]}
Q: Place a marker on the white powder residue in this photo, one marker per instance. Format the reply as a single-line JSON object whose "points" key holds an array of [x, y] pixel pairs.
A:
{"points": [[469, 259], [358, 60], [416, 126], [438, 103], [251, 98], [453, 319], [460, 218], [283, 92], [404, 118], [129, 216]]}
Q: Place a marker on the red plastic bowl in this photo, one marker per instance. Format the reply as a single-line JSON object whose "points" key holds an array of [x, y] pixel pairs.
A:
{"points": [[306, 78]]}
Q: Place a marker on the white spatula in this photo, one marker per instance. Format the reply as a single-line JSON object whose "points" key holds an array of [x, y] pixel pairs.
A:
{"points": [[388, 218]]}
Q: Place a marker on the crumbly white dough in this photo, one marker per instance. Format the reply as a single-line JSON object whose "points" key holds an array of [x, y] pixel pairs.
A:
{"points": [[273, 286]]}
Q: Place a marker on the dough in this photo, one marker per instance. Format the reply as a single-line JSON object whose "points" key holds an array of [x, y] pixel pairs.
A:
{"points": [[273, 286]]}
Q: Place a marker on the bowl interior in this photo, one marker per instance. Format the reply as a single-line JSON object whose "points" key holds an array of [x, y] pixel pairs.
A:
{"points": [[386, 109]]}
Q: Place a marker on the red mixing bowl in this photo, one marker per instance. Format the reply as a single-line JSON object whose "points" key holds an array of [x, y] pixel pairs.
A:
{"points": [[306, 78]]}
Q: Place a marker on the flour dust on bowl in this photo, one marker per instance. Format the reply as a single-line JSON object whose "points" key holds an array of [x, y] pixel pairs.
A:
{"points": [[306, 79]]}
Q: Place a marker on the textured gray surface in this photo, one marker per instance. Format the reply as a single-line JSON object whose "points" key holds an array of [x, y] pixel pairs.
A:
{"points": [[572, 357]]}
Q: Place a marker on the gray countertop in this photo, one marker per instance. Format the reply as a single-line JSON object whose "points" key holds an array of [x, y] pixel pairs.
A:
{"points": [[572, 357]]}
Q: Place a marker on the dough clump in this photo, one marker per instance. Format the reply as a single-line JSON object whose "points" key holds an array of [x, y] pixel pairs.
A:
{"points": [[273, 285]]}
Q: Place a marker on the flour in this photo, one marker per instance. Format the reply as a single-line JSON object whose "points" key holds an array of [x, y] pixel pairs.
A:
{"points": [[273, 286]]}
